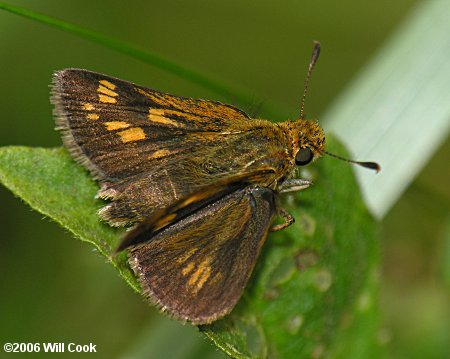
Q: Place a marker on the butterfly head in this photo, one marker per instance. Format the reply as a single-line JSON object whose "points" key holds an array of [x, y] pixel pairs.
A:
{"points": [[308, 141]]}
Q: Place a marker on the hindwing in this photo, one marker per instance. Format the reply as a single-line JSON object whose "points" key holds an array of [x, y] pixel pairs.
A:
{"points": [[196, 268]]}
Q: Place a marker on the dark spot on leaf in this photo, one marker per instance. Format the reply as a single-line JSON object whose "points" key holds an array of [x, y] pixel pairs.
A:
{"points": [[306, 258], [318, 352], [271, 293], [307, 224]]}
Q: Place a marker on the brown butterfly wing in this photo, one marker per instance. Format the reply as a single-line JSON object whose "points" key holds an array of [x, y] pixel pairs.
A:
{"points": [[196, 269], [150, 149], [119, 129]]}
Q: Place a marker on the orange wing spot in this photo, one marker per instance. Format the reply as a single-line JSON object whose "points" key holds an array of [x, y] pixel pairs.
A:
{"points": [[201, 275], [160, 153], [203, 278], [183, 258], [175, 102], [164, 221], [156, 115], [187, 269], [88, 106], [106, 91], [132, 134], [116, 125], [92, 116], [108, 84], [106, 99], [164, 100], [151, 96], [194, 198], [156, 111], [186, 116]]}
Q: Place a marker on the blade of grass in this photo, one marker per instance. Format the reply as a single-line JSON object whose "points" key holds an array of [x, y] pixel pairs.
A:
{"points": [[398, 111], [227, 91]]}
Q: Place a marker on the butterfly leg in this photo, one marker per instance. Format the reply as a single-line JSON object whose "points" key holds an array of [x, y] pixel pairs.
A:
{"points": [[288, 220], [290, 185]]}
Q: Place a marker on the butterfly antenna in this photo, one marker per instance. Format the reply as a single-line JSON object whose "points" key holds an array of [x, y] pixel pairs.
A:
{"points": [[312, 63], [371, 165]]}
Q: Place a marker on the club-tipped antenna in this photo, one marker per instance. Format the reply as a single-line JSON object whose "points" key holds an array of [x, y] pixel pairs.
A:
{"points": [[314, 57], [371, 165], [312, 63]]}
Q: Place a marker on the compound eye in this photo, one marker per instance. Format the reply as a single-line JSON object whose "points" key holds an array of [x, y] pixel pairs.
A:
{"points": [[303, 156]]}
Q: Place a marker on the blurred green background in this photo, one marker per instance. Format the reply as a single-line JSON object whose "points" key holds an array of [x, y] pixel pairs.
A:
{"points": [[53, 288]]}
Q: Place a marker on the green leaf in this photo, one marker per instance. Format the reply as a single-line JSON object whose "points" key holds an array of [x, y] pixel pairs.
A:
{"points": [[54, 185], [313, 291]]}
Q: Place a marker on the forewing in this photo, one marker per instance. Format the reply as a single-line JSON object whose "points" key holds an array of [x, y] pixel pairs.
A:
{"points": [[150, 149], [197, 268], [118, 129]]}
